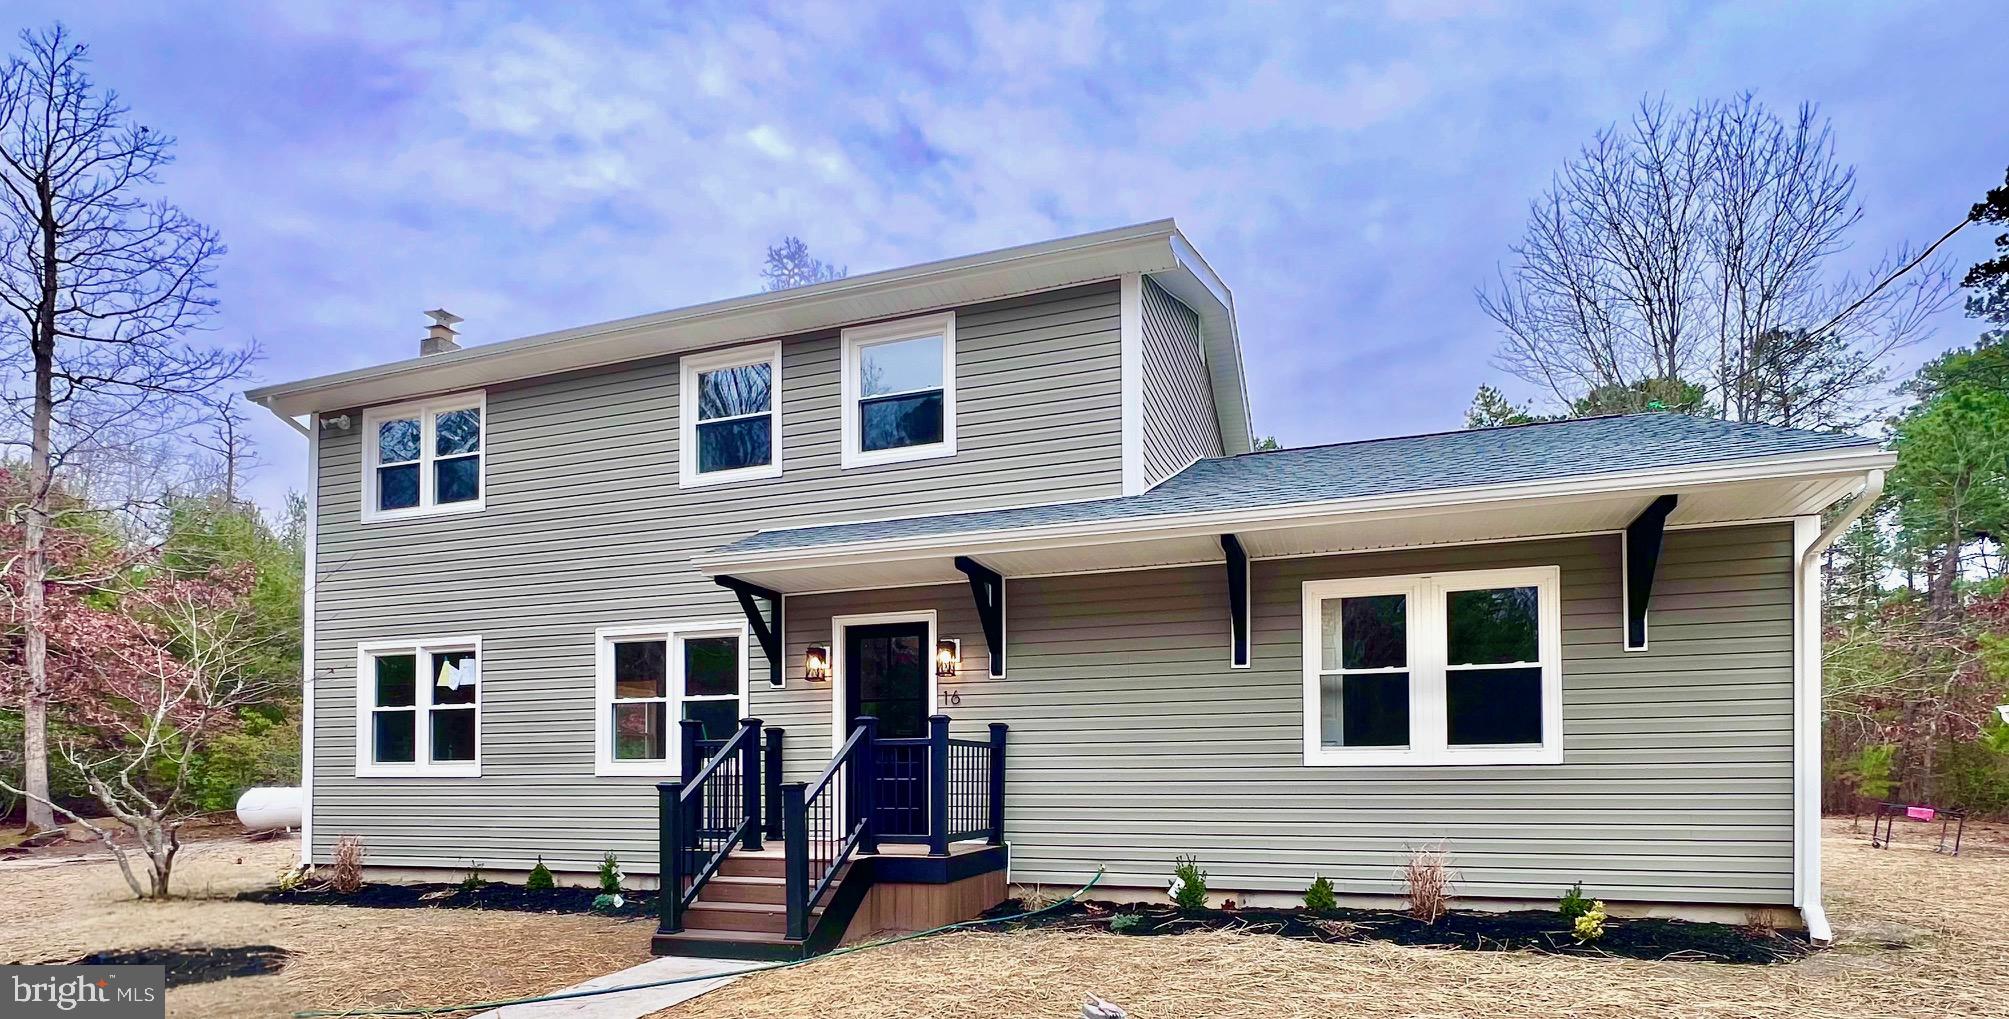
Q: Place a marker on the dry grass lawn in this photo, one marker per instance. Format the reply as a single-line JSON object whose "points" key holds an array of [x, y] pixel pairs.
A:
{"points": [[342, 957], [1960, 906], [354, 958]]}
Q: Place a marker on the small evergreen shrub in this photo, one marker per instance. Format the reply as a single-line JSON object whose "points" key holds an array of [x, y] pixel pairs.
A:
{"points": [[1189, 884], [1573, 904], [610, 875], [473, 880], [1320, 898], [1125, 923], [1590, 926], [539, 879]]}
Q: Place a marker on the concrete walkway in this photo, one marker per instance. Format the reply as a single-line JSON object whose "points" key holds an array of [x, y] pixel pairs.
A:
{"points": [[629, 1004]]}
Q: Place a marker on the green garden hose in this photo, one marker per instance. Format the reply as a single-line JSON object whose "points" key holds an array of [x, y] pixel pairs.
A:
{"points": [[564, 995]]}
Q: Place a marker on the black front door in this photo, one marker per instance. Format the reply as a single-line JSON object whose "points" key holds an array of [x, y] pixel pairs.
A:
{"points": [[886, 677]]}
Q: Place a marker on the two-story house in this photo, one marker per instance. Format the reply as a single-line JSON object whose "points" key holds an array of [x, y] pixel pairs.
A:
{"points": [[1005, 506]]}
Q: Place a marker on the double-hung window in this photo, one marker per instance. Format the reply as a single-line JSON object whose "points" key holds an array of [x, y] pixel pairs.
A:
{"points": [[422, 458], [421, 703], [1444, 668], [651, 678], [731, 430], [899, 389]]}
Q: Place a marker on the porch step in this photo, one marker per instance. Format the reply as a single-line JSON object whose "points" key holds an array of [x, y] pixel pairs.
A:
{"points": [[772, 891], [766, 863], [742, 916]]}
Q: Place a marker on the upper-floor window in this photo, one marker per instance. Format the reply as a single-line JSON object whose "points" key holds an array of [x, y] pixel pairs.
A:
{"points": [[420, 707], [730, 427], [899, 391], [1447, 668], [423, 457]]}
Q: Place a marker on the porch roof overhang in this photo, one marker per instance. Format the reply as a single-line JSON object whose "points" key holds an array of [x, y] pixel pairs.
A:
{"points": [[1102, 536]]}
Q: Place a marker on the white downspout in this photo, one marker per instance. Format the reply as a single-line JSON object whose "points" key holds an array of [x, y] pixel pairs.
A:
{"points": [[1807, 706]]}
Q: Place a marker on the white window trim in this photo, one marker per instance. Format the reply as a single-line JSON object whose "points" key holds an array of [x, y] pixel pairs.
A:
{"points": [[840, 691], [604, 639], [1428, 668], [688, 475], [426, 411], [855, 339], [422, 766]]}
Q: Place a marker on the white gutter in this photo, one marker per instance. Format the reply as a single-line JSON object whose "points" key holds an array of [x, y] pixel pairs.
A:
{"points": [[1807, 705]]}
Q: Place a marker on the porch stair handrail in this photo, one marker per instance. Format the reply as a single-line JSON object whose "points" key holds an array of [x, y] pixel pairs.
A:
{"points": [[825, 822], [704, 816]]}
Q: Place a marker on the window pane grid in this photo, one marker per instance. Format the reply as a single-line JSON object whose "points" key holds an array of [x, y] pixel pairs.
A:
{"points": [[429, 458]]}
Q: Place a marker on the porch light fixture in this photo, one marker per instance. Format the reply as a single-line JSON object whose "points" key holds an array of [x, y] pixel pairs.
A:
{"points": [[948, 657], [816, 664]]}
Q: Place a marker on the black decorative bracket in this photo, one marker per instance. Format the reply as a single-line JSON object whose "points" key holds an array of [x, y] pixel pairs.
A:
{"points": [[768, 626], [1642, 556], [1238, 600], [988, 588]]}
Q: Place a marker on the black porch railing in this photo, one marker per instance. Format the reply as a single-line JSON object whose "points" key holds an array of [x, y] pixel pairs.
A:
{"points": [[935, 790], [704, 815]]}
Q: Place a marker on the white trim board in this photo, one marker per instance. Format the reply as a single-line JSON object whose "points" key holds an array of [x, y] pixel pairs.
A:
{"points": [[308, 688], [1130, 343]]}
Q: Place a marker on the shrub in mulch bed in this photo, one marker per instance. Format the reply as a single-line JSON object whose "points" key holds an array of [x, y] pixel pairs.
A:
{"points": [[514, 898], [195, 965], [1532, 930]]}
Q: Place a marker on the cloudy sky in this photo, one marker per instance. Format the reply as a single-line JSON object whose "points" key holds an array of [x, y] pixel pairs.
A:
{"points": [[1352, 173]]}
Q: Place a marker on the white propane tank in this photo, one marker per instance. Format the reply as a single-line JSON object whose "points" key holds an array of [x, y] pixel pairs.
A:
{"points": [[263, 807]]}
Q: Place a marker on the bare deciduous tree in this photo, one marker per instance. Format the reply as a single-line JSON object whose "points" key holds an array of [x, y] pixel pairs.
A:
{"points": [[1697, 247], [99, 285], [789, 264]]}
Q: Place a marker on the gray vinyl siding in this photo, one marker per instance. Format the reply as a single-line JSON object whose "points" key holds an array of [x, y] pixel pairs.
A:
{"points": [[585, 527], [1132, 741], [1179, 425]]}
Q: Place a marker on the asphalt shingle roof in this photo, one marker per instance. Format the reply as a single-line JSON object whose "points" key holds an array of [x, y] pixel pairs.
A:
{"points": [[1412, 463]]}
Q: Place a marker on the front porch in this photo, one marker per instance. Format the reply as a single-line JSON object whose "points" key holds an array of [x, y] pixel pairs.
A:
{"points": [[895, 834]]}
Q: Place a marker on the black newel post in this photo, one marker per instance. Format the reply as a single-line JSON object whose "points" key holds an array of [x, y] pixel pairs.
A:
{"points": [[670, 854], [997, 792], [865, 784], [938, 785], [749, 782], [795, 863], [691, 757], [770, 774]]}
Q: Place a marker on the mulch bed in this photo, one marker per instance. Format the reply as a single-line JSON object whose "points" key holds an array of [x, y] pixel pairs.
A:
{"points": [[1528, 931], [195, 965], [514, 898]]}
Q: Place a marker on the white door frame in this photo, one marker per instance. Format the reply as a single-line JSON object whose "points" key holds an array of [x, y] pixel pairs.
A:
{"points": [[840, 687]]}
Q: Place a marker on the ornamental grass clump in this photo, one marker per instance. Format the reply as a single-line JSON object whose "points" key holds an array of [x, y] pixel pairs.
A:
{"points": [[1427, 878], [345, 874]]}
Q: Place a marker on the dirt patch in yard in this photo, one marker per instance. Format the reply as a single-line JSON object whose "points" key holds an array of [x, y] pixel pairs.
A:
{"points": [[1531, 931], [1918, 934], [195, 965]]}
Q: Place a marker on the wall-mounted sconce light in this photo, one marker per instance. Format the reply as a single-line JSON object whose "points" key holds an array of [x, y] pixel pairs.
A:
{"points": [[816, 664], [948, 657]]}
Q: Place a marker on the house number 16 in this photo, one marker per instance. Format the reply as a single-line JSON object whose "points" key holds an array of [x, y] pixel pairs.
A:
{"points": [[951, 697]]}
